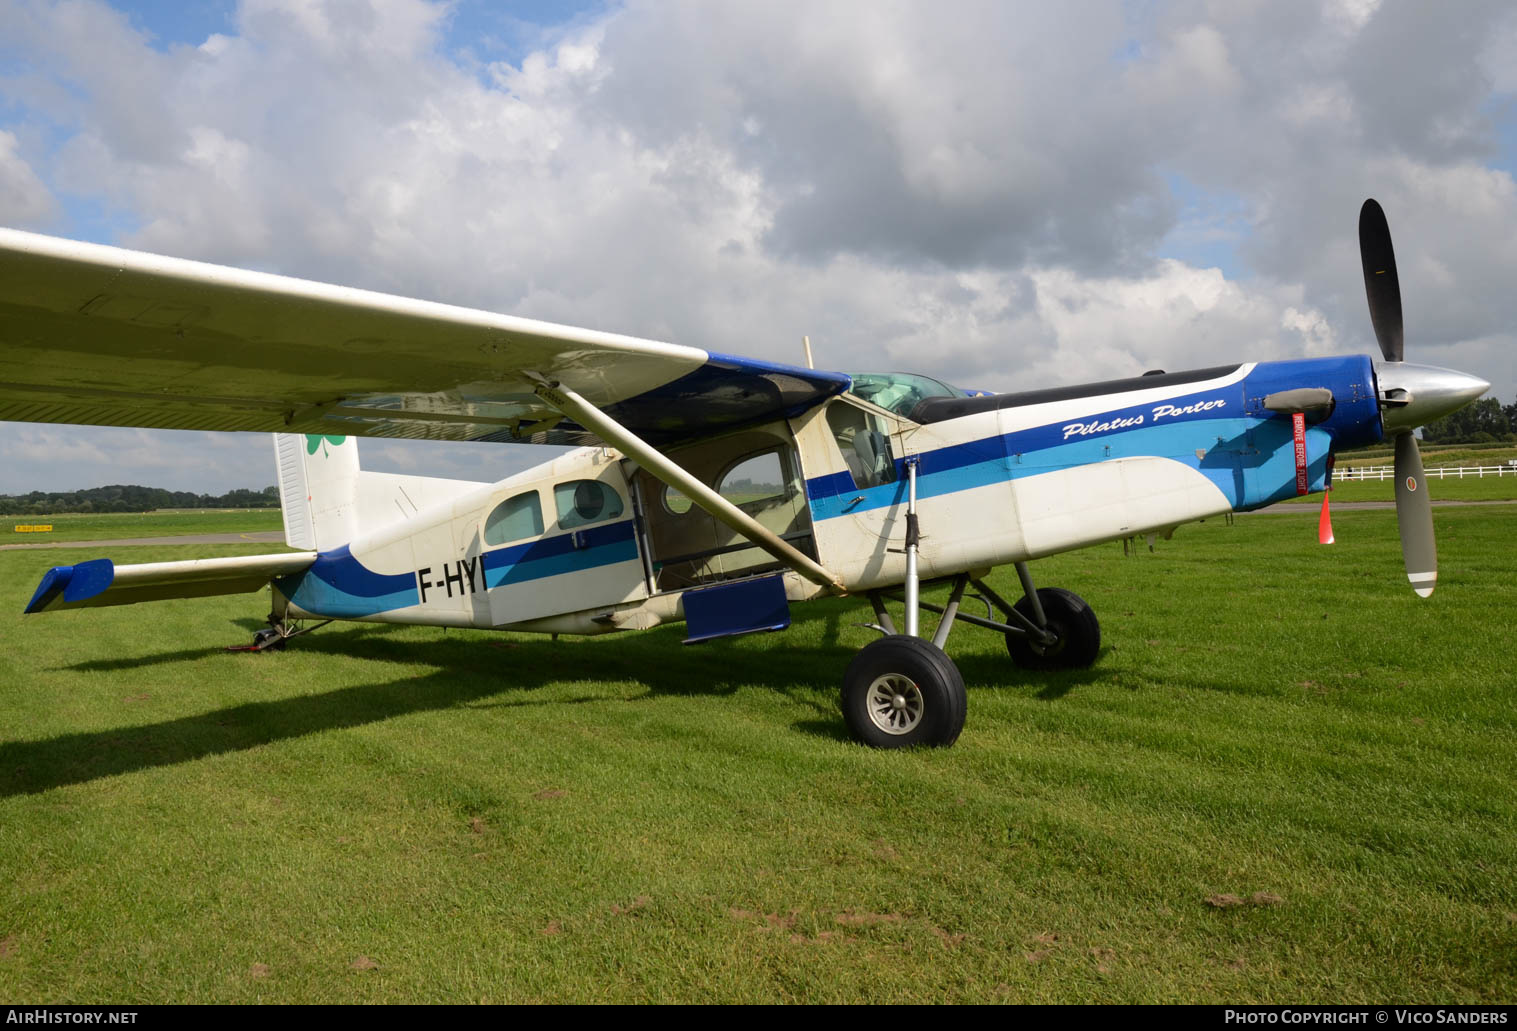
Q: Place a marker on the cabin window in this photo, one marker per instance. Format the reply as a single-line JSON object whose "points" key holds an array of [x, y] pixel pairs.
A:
{"points": [[755, 479], [515, 518], [677, 501], [864, 444], [582, 502]]}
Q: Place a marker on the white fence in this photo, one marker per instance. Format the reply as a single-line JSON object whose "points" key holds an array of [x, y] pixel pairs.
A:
{"points": [[1441, 472]]}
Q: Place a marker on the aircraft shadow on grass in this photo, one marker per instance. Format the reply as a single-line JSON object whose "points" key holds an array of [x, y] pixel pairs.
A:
{"points": [[467, 670]]}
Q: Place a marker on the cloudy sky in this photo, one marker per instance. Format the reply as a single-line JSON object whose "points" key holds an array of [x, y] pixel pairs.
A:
{"points": [[1007, 195]]}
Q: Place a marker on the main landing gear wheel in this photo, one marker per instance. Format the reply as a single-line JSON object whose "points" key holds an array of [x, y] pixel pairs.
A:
{"points": [[1075, 626], [901, 691]]}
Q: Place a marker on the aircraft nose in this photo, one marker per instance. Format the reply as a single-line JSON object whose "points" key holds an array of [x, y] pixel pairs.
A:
{"points": [[1415, 395]]}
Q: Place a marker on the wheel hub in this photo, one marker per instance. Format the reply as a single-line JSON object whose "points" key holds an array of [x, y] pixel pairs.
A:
{"points": [[895, 703], [1050, 647]]}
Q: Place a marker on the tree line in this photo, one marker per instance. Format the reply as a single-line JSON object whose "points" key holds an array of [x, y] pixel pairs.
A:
{"points": [[1480, 422], [124, 498]]}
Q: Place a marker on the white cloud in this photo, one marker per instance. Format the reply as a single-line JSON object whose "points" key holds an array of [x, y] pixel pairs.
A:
{"points": [[984, 196], [1176, 317], [24, 199]]}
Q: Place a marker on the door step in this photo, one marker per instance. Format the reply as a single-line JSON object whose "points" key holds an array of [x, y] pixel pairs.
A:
{"points": [[728, 610]]}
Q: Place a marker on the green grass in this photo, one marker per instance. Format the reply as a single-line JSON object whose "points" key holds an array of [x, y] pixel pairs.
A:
{"points": [[1464, 454], [107, 526], [1436, 454], [1470, 488], [504, 818]]}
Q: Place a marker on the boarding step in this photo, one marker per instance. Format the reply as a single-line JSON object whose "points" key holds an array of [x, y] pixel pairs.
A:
{"points": [[742, 607]]}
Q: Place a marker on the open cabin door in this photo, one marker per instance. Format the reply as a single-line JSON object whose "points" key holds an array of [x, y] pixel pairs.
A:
{"points": [[856, 487], [759, 471]]}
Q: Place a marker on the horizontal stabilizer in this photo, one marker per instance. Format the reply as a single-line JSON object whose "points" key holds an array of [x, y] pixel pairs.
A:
{"points": [[101, 582]]}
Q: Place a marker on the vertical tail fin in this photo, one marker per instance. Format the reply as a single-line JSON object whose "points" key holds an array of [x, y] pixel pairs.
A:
{"points": [[318, 489]]}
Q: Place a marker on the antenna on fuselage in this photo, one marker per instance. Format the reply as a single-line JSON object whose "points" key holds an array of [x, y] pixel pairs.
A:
{"points": [[806, 342]]}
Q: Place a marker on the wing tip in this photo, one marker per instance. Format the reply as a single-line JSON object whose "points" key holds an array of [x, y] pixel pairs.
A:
{"points": [[74, 583]]}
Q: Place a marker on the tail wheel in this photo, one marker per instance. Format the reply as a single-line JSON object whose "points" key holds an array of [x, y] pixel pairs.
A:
{"points": [[1076, 629], [901, 691], [268, 639]]}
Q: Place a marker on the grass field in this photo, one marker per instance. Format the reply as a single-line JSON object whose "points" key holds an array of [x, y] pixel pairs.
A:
{"points": [[107, 526], [1435, 455], [1487, 488], [1286, 779]]}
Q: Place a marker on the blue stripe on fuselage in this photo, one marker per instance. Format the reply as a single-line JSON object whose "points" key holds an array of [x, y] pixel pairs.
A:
{"points": [[338, 585], [567, 553], [341, 586], [1245, 449]]}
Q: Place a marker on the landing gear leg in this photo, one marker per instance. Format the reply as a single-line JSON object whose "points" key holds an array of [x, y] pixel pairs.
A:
{"points": [[945, 624], [274, 636], [1058, 629], [901, 690], [913, 538], [1030, 593]]}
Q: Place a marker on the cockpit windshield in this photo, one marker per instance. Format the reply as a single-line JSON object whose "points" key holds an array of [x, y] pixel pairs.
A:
{"points": [[899, 392]]}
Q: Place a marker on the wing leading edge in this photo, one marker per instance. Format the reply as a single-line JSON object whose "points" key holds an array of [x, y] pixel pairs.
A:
{"points": [[105, 336]]}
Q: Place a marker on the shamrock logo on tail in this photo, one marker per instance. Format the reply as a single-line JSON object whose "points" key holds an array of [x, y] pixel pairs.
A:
{"points": [[314, 441]]}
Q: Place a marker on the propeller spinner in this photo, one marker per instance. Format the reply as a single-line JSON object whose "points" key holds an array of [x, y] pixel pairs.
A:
{"points": [[1410, 396]]}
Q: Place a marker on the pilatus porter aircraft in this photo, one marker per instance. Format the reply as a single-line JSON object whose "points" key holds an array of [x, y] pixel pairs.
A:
{"points": [[707, 488]]}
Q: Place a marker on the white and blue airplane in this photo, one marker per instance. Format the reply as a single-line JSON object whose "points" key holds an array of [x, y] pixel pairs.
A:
{"points": [[709, 489]]}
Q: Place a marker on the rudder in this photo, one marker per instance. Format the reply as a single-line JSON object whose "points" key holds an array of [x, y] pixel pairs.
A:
{"points": [[318, 489]]}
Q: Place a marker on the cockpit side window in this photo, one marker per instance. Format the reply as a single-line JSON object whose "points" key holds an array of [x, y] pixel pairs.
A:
{"points": [[515, 518], [899, 392], [865, 445]]}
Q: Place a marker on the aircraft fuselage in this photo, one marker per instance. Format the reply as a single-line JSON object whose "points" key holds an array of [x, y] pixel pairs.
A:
{"points": [[589, 543]]}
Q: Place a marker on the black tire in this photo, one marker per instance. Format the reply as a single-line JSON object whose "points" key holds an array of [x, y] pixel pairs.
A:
{"points": [[929, 700], [1078, 630], [266, 634]]}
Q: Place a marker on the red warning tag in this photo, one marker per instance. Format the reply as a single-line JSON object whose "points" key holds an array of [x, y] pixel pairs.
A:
{"points": [[1298, 430]]}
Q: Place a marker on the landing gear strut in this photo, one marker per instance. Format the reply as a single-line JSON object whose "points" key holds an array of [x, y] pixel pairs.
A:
{"points": [[903, 690], [273, 637], [1075, 629]]}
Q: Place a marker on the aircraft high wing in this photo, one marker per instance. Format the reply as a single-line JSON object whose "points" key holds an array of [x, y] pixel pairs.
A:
{"points": [[112, 337]]}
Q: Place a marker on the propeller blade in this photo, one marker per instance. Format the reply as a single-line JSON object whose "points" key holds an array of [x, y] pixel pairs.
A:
{"points": [[1414, 517], [1380, 282]]}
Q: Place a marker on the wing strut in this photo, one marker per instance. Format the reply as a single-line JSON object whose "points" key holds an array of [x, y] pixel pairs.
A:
{"points": [[613, 433]]}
